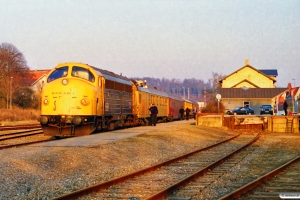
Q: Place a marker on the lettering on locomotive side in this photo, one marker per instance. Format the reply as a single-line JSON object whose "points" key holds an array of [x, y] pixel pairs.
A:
{"points": [[66, 93]]}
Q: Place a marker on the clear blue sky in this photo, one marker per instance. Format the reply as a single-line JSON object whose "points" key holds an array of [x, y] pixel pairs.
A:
{"points": [[157, 38]]}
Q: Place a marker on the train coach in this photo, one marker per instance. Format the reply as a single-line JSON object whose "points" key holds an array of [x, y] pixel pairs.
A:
{"points": [[192, 105], [78, 99], [175, 103], [144, 97]]}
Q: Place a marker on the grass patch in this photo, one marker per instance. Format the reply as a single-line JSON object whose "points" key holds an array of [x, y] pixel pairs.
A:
{"points": [[18, 114]]}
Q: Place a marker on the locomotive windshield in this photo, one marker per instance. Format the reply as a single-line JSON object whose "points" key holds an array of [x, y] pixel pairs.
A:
{"points": [[58, 73], [83, 73]]}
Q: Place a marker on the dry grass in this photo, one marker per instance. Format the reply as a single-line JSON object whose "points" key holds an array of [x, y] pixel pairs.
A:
{"points": [[14, 115]]}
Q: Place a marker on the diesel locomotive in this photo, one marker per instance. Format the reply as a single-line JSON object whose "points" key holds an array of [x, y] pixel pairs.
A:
{"points": [[79, 99]]}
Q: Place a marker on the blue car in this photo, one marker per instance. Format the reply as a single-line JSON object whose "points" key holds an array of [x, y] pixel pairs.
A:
{"points": [[241, 111], [266, 109]]}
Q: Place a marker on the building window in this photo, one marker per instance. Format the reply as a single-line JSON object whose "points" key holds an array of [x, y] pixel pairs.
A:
{"points": [[246, 104]]}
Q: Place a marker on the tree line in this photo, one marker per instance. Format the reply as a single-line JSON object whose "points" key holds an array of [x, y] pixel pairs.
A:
{"points": [[15, 79], [188, 88], [194, 89]]}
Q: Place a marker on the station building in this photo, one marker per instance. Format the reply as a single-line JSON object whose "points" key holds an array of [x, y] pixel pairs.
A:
{"points": [[251, 87]]}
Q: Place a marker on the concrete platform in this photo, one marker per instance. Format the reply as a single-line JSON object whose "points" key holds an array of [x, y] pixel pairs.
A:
{"points": [[107, 137]]}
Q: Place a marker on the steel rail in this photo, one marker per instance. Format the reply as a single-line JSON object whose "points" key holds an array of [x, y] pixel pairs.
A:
{"points": [[23, 134], [17, 127], [20, 132], [114, 181], [186, 180], [246, 188], [23, 144]]}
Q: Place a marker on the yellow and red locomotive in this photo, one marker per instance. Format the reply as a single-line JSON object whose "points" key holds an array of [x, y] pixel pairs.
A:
{"points": [[78, 99]]}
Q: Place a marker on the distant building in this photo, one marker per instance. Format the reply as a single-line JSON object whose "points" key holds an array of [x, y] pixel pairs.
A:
{"points": [[38, 78], [201, 105], [250, 87], [292, 96]]}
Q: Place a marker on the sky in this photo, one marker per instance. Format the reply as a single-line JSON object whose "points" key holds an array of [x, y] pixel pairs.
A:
{"points": [[157, 38]]}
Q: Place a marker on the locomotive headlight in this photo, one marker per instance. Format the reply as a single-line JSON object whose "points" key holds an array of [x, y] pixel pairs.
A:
{"points": [[44, 120], [46, 101], [64, 81], [85, 101], [77, 120]]}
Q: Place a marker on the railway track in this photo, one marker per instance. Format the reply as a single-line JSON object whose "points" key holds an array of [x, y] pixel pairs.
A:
{"points": [[237, 177], [161, 180], [18, 134], [280, 183], [193, 188], [21, 135], [17, 127]]}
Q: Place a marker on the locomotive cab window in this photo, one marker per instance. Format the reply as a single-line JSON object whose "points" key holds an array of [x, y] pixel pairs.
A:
{"points": [[58, 73], [83, 73]]}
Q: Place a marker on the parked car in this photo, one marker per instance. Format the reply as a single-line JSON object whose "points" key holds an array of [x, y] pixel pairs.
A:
{"points": [[241, 111], [266, 109]]}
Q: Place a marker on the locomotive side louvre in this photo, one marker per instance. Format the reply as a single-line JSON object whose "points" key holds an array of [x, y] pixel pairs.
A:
{"points": [[117, 99], [117, 102]]}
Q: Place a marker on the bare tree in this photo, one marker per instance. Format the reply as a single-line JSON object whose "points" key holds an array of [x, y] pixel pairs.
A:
{"points": [[13, 70], [214, 85], [216, 80]]}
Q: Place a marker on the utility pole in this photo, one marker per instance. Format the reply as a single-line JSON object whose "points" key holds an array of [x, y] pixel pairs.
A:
{"points": [[293, 98], [294, 83], [11, 78], [205, 95]]}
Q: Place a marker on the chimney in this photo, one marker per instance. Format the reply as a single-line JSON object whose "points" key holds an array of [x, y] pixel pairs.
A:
{"points": [[247, 62]]}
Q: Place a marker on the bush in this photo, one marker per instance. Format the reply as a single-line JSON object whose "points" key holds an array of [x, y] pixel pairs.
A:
{"points": [[212, 107], [25, 98]]}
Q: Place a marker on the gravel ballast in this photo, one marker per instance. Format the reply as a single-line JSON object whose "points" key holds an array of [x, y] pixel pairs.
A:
{"points": [[47, 172]]}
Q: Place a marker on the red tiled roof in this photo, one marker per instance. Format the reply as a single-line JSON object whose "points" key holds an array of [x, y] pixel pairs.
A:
{"points": [[294, 91], [36, 74], [250, 92]]}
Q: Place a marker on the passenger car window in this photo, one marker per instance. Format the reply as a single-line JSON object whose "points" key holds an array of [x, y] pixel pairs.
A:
{"points": [[58, 73], [83, 73]]}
